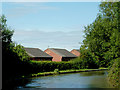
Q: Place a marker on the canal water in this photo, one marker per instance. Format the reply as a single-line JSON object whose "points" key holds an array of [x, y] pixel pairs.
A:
{"points": [[94, 79]]}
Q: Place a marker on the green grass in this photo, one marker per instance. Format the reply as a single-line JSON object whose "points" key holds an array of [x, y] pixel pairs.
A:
{"points": [[102, 68], [63, 72]]}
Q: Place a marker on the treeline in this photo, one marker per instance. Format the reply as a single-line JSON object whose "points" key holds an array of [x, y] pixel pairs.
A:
{"points": [[102, 40]]}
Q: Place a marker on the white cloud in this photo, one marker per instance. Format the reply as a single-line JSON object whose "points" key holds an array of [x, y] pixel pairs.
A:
{"points": [[42, 40]]}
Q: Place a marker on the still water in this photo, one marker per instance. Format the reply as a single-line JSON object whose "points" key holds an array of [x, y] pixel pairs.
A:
{"points": [[94, 79]]}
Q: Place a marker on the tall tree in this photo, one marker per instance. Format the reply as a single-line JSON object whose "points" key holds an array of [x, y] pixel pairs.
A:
{"points": [[6, 33], [14, 57], [102, 37]]}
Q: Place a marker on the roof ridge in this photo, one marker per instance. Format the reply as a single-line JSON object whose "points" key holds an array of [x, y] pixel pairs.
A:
{"points": [[56, 51], [36, 52], [63, 52]]}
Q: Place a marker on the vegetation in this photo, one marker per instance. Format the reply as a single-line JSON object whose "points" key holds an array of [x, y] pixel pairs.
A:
{"points": [[46, 66], [114, 74], [56, 71], [102, 42], [102, 39], [14, 57], [101, 48]]}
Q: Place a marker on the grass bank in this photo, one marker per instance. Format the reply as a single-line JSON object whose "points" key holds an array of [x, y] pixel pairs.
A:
{"points": [[56, 71]]}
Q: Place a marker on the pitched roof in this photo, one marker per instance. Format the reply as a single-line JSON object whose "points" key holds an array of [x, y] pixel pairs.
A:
{"points": [[36, 52], [62, 52]]}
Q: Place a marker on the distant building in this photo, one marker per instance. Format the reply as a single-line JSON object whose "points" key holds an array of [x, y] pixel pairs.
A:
{"points": [[60, 54], [38, 55], [75, 52]]}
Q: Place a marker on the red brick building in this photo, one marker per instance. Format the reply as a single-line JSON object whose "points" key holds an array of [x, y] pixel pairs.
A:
{"points": [[75, 52], [60, 54], [37, 54]]}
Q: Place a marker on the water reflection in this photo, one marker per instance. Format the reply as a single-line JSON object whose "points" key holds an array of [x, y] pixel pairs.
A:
{"points": [[95, 79], [94, 73]]}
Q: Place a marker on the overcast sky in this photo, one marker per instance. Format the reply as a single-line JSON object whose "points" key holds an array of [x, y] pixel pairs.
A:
{"points": [[49, 24]]}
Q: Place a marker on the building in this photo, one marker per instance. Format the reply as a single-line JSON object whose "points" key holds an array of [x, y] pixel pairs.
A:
{"points": [[38, 55], [60, 54], [75, 52]]}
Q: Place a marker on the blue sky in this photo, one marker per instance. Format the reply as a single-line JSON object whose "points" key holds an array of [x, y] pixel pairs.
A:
{"points": [[53, 24]]}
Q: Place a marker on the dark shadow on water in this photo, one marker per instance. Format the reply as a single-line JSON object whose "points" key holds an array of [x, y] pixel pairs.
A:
{"points": [[14, 82], [95, 73]]}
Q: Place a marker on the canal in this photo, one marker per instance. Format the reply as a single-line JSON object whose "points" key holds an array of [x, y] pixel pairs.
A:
{"points": [[93, 79]]}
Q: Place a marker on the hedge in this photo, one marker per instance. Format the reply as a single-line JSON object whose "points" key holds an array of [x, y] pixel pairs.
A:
{"points": [[47, 66]]}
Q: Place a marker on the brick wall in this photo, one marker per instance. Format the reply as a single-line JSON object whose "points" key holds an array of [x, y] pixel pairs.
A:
{"points": [[56, 57], [75, 52]]}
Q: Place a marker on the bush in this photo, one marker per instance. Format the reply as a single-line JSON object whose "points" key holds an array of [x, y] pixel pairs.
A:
{"points": [[46, 66], [114, 73], [87, 60], [56, 71]]}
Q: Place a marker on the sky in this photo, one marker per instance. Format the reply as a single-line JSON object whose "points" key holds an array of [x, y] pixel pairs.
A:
{"points": [[49, 24]]}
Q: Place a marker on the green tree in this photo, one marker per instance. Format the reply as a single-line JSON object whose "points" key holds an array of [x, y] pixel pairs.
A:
{"points": [[102, 37], [14, 57], [6, 33], [7, 43], [102, 40]]}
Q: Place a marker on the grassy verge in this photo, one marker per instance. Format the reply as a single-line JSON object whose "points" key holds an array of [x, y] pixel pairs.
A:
{"points": [[65, 72]]}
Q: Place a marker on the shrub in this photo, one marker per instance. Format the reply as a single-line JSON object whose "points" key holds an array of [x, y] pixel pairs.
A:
{"points": [[114, 73], [46, 66], [56, 71]]}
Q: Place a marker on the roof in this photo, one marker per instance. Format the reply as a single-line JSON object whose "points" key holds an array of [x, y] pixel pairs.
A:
{"points": [[62, 52], [36, 52]]}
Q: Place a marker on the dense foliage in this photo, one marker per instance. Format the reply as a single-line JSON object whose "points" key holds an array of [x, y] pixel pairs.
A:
{"points": [[46, 66], [102, 38], [114, 74], [14, 57], [6, 32]]}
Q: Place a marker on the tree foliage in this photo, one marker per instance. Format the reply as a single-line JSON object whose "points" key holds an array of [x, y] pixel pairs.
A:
{"points": [[8, 44], [6, 32], [102, 40], [14, 57], [102, 37]]}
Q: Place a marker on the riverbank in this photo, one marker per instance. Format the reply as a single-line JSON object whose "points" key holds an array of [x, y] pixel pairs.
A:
{"points": [[65, 72], [92, 79]]}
